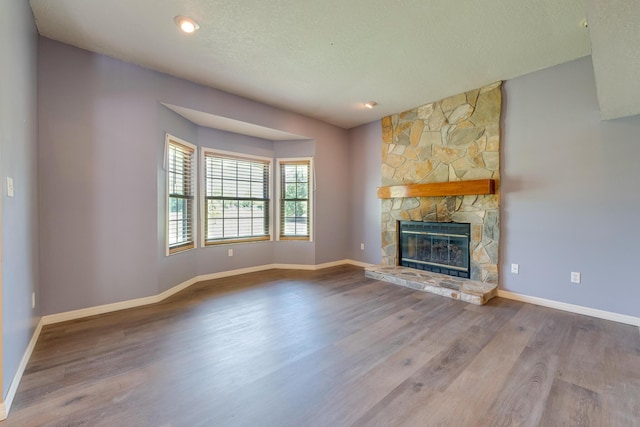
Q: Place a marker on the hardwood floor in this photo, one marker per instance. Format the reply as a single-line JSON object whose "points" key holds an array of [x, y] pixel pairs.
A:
{"points": [[330, 348]]}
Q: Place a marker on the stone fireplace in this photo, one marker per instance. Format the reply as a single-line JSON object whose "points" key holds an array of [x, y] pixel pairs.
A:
{"points": [[456, 139]]}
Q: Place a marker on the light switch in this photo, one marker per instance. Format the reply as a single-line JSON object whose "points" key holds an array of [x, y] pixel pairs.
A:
{"points": [[10, 189]]}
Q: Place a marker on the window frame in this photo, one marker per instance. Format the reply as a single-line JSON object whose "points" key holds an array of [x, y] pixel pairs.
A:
{"points": [[203, 197], [280, 198], [193, 243]]}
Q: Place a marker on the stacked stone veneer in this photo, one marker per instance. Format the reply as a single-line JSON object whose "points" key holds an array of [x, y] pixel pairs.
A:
{"points": [[455, 139]]}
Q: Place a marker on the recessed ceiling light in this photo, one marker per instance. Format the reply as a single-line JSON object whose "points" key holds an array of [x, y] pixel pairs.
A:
{"points": [[370, 104], [187, 25]]}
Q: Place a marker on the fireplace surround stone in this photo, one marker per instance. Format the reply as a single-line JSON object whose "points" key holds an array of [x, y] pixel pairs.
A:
{"points": [[454, 139]]}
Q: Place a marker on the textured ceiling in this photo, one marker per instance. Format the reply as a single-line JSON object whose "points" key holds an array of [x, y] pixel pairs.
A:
{"points": [[326, 58], [614, 26]]}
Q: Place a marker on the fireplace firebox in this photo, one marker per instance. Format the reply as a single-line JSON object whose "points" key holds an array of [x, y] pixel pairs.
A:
{"points": [[440, 247]]}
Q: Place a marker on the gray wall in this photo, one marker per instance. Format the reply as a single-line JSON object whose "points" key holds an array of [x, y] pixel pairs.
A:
{"points": [[570, 198], [102, 184], [18, 145], [332, 197], [365, 159]]}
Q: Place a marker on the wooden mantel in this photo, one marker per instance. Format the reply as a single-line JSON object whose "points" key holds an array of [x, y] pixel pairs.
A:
{"points": [[453, 188]]}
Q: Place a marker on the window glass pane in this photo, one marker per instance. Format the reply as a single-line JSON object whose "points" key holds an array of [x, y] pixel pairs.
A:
{"points": [[244, 171], [244, 189], [214, 187], [289, 209], [258, 226], [229, 168], [302, 173], [244, 227], [301, 226], [172, 182], [244, 209], [257, 189], [230, 227], [214, 208], [289, 173], [302, 190], [230, 209], [258, 209], [290, 191], [301, 209], [229, 188], [214, 229], [290, 226], [214, 167]]}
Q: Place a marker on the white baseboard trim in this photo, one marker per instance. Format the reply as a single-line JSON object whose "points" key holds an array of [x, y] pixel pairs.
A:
{"points": [[13, 388], [358, 263], [572, 308], [138, 302], [99, 309]]}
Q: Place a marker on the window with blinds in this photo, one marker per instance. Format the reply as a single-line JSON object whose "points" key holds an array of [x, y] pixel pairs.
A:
{"points": [[236, 198], [181, 190], [295, 199]]}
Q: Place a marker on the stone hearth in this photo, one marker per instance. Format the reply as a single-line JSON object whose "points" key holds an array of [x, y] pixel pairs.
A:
{"points": [[470, 291]]}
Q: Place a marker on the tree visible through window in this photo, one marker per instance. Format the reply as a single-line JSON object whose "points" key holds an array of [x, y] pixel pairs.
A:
{"points": [[236, 198], [295, 201], [181, 189]]}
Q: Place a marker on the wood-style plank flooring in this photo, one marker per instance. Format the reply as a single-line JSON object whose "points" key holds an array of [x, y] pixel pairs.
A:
{"points": [[330, 348]]}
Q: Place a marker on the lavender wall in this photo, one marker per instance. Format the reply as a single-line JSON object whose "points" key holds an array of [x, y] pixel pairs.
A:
{"points": [[98, 150], [570, 196], [365, 159], [102, 193], [18, 145], [332, 197]]}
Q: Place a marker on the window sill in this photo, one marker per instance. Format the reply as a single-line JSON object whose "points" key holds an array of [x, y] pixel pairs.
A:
{"points": [[180, 249], [234, 241]]}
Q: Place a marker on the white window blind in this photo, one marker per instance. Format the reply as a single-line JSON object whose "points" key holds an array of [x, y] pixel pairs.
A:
{"points": [[236, 198], [295, 199], [181, 190]]}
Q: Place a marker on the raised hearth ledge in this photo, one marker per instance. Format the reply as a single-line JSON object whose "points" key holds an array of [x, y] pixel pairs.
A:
{"points": [[467, 290], [452, 188]]}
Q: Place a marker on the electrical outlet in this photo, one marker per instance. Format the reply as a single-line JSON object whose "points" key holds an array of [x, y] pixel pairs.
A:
{"points": [[33, 300], [230, 252], [362, 246], [515, 268], [10, 189], [575, 277]]}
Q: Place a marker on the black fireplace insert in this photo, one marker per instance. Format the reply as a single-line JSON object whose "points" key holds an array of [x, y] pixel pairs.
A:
{"points": [[440, 247]]}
